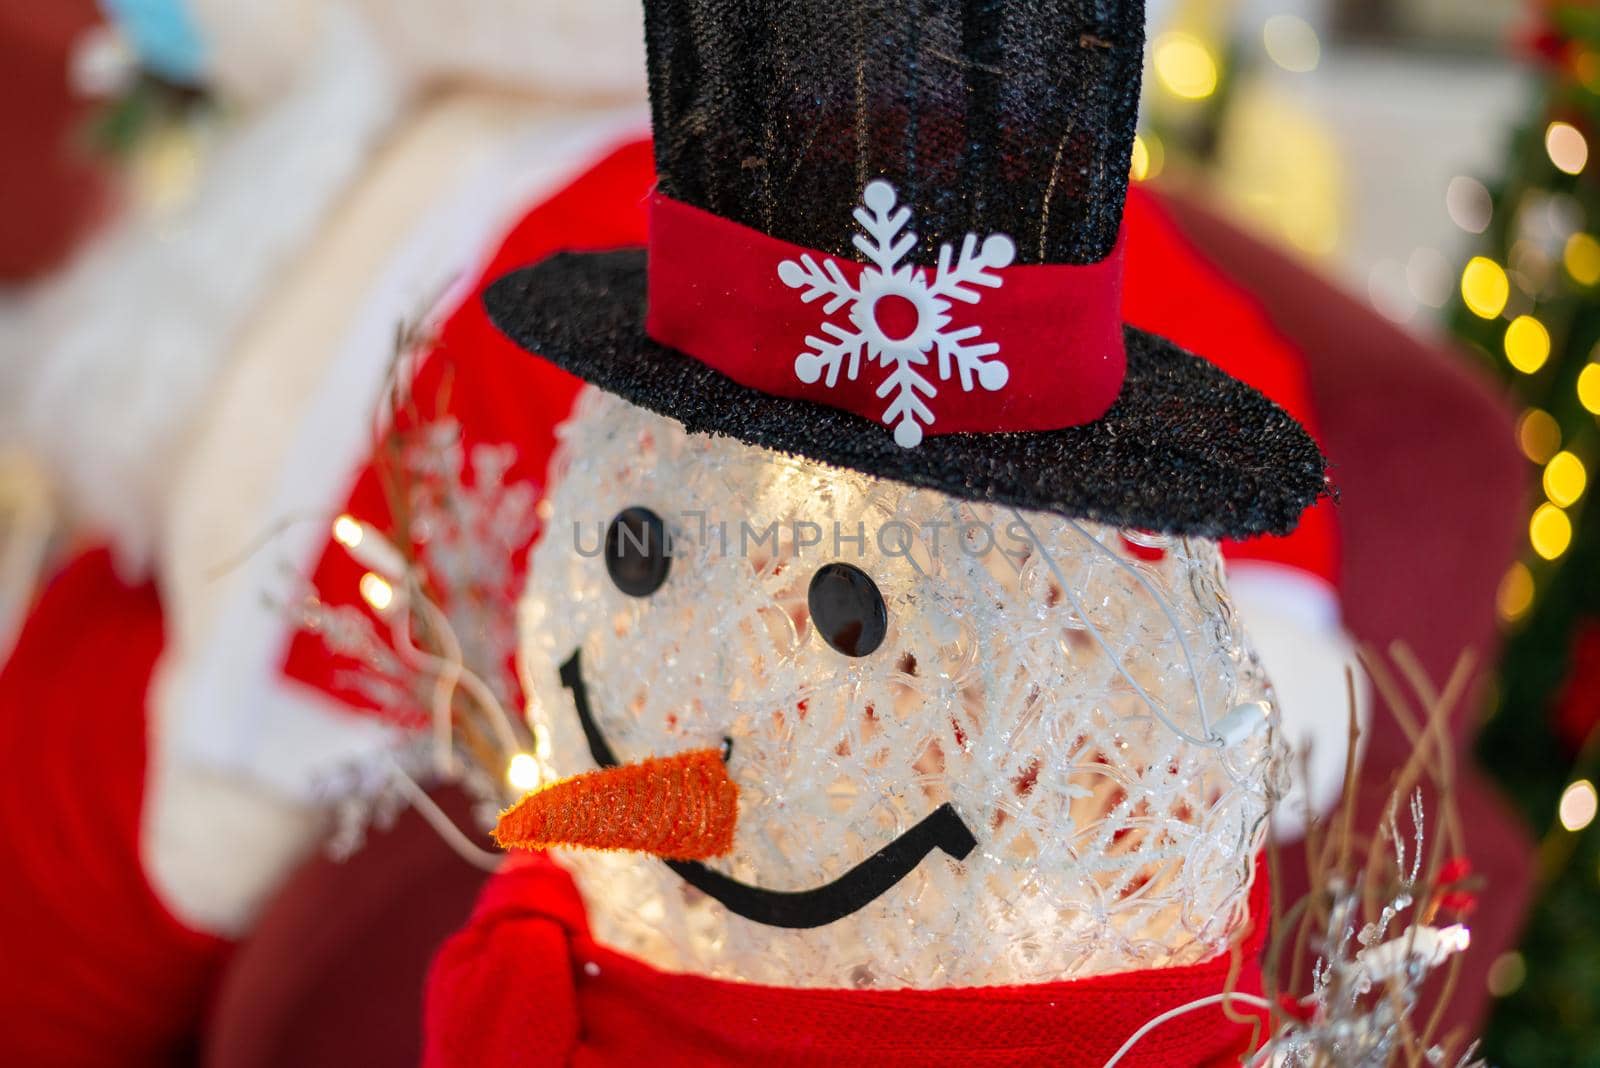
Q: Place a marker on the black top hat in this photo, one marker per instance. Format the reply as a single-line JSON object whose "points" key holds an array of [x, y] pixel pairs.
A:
{"points": [[821, 161]]}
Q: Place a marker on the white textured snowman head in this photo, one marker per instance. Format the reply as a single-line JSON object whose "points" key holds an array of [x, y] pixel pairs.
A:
{"points": [[848, 640]]}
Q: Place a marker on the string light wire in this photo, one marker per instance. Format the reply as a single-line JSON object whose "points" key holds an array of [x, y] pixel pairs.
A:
{"points": [[1199, 1003], [451, 674], [441, 822]]}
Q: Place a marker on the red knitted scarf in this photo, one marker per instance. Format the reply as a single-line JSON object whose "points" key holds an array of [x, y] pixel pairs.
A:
{"points": [[525, 984]]}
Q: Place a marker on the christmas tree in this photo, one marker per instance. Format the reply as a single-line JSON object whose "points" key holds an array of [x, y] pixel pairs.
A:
{"points": [[1529, 307]]}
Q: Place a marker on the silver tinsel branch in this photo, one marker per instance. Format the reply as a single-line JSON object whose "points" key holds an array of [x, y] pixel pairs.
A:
{"points": [[434, 647]]}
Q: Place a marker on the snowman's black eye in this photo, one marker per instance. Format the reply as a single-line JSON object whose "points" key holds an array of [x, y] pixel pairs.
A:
{"points": [[847, 609], [636, 552]]}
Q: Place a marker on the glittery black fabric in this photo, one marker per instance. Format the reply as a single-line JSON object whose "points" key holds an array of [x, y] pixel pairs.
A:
{"points": [[1184, 450], [988, 116]]}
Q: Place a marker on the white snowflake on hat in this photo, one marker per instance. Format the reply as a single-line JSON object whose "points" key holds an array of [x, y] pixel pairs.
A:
{"points": [[885, 241]]}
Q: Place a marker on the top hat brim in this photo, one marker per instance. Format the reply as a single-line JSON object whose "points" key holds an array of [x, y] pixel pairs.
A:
{"points": [[1185, 449]]}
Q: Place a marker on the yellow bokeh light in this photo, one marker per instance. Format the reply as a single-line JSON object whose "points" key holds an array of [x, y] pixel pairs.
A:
{"points": [[1315, 231], [376, 591], [1538, 435], [1139, 166], [1527, 344], [1587, 68], [1549, 531], [1279, 165], [1507, 974], [1567, 148], [1157, 154], [1579, 802], [1485, 287], [1515, 595], [1589, 388], [522, 773], [1564, 479], [1185, 66], [1582, 258], [1292, 43]]}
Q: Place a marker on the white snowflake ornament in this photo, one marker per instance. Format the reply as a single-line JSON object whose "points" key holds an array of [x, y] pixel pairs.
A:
{"points": [[891, 281]]}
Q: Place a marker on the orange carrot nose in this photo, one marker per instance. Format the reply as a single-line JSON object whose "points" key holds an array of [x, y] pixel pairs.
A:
{"points": [[680, 807]]}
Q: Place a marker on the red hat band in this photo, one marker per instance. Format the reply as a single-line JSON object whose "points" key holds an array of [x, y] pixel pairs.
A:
{"points": [[973, 343]]}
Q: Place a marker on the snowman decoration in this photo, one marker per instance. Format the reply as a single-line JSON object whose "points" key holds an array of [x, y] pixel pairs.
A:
{"points": [[848, 664]]}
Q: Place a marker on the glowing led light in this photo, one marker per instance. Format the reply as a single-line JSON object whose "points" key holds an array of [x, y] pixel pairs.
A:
{"points": [[1527, 344], [1589, 388], [1184, 65], [1515, 595], [376, 591], [1469, 204], [1578, 805], [1566, 146], [1538, 435], [1291, 43], [1484, 287], [1564, 479], [1549, 531], [369, 548], [1506, 974], [347, 532], [1582, 258], [522, 773]]}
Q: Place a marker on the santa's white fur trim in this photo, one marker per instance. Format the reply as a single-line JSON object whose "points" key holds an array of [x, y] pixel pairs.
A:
{"points": [[1293, 619], [119, 353]]}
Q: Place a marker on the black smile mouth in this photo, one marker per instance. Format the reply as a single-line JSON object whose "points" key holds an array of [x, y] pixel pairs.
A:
{"points": [[941, 829]]}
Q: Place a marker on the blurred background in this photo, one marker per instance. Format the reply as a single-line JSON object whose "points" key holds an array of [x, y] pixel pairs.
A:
{"points": [[1433, 156], [1411, 178]]}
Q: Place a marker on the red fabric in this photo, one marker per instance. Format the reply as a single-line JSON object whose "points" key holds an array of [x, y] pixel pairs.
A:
{"points": [[332, 973], [93, 969], [524, 984], [1173, 289], [716, 295]]}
